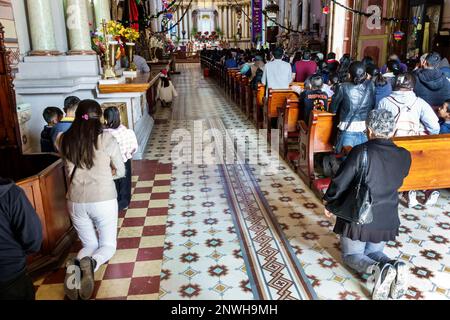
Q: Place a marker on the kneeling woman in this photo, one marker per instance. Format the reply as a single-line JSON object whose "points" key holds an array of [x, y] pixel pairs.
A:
{"points": [[93, 160], [362, 244]]}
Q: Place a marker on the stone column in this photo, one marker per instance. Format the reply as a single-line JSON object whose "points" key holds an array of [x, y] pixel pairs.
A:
{"points": [[153, 11], [177, 17], [59, 23], [159, 8], [294, 14], [91, 16], [189, 24], [41, 28], [78, 27], [20, 18], [229, 30], [305, 15], [102, 12], [281, 14]]}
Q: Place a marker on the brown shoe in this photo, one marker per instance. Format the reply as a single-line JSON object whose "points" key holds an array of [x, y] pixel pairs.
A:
{"points": [[87, 266]]}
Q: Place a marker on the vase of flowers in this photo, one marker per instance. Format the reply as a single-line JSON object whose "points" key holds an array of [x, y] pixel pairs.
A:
{"points": [[107, 44], [130, 36]]}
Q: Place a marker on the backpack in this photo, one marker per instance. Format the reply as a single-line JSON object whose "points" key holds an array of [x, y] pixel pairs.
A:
{"points": [[406, 122]]}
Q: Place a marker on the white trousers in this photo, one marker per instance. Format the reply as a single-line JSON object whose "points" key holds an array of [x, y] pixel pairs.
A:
{"points": [[100, 216]]}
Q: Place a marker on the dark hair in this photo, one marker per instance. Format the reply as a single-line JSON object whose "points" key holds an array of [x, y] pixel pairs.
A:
{"points": [[404, 81], [368, 62], [333, 78], [306, 55], [357, 72], [448, 105], [51, 112], [297, 56], [379, 80], [70, 103], [394, 67], [316, 81], [344, 66], [277, 53], [331, 56], [112, 117], [433, 59], [372, 70], [80, 141]]}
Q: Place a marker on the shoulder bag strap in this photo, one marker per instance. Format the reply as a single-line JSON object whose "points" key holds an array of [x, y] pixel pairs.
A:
{"points": [[355, 112]]}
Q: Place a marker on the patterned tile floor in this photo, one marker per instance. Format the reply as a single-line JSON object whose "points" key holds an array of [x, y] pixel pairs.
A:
{"points": [[181, 239], [423, 241], [134, 271]]}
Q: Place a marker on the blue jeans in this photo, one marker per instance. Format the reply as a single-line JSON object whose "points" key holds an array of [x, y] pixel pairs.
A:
{"points": [[351, 139], [360, 255]]}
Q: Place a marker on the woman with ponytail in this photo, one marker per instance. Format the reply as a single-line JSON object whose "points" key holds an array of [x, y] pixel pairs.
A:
{"points": [[93, 160], [352, 102]]}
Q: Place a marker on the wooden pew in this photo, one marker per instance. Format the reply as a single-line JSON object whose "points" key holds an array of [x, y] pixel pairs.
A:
{"points": [[237, 87], [243, 93], [288, 116], [231, 74], [275, 100], [249, 106], [315, 138], [430, 162], [430, 155], [258, 103]]}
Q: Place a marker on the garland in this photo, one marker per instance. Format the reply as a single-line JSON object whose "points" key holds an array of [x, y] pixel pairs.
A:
{"points": [[179, 20]]}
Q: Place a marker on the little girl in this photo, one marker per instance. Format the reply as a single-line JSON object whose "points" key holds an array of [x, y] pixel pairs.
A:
{"points": [[166, 92], [128, 146]]}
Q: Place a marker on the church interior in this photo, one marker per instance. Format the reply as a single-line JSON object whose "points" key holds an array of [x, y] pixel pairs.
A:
{"points": [[237, 121]]}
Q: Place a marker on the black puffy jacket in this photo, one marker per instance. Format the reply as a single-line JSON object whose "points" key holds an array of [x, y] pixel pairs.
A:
{"points": [[432, 86], [353, 99], [20, 230]]}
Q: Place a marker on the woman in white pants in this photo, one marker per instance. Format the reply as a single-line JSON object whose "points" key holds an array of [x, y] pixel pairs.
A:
{"points": [[93, 160]]}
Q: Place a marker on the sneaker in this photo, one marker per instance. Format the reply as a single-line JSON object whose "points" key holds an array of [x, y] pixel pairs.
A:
{"points": [[412, 199], [326, 165], [87, 266], [72, 279], [335, 164], [432, 199], [400, 283], [384, 275]]}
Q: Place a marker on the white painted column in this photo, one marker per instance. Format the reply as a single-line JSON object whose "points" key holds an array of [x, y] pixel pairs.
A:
{"points": [[153, 11], [294, 14], [159, 8], [228, 23], [91, 15], [78, 27], [102, 11], [41, 27], [20, 18], [281, 14], [305, 15]]}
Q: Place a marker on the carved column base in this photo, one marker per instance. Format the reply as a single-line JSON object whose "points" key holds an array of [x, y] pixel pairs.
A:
{"points": [[45, 53], [81, 53]]}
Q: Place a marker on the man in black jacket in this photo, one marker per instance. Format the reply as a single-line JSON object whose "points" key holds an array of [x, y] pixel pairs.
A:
{"points": [[431, 83], [20, 234]]}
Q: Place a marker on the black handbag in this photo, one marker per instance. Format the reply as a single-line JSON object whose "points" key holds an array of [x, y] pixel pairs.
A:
{"points": [[355, 206]]}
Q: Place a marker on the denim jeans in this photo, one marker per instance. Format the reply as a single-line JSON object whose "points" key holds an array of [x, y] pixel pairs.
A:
{"points": [[360, 255], [351, 139]]}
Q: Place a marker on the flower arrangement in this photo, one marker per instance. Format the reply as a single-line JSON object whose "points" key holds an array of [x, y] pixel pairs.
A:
{"points": [[115, 29], [130, 34]]}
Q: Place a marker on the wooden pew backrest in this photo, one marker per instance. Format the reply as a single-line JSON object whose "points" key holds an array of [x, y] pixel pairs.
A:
{"points": [[315, 138], [276, 99], [430, 162]]}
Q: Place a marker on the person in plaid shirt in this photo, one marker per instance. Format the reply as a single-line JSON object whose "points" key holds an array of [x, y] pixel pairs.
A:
{"points": [[128, 146]]}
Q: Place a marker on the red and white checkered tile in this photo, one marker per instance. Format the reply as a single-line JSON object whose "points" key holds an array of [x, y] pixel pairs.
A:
{"points": [[134, 271]]}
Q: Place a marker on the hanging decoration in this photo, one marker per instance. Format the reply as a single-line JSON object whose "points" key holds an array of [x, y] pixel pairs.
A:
{"points": [[398, 35], [326, 10]]}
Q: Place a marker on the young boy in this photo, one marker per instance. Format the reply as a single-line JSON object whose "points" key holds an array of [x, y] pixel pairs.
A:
{"points": [[52, 115], [444, 115], [70, 108], [314, 98]]}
